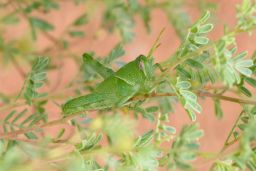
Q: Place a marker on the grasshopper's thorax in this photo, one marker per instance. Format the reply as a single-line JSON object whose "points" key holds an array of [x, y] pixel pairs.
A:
{"points": [[138, 73], [146, 66]]}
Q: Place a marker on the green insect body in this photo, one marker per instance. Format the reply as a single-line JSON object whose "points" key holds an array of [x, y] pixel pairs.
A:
{"points": [[132, 79]]}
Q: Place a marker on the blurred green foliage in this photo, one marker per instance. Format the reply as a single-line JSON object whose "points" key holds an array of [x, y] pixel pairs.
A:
{"points": [[109, 139]]}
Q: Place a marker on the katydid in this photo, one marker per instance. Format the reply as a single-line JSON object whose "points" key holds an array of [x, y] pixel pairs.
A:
{"points": [[117, 88], [134, 78]]}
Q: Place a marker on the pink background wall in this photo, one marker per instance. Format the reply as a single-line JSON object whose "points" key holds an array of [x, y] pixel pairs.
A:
{"points": [[215, 130]]}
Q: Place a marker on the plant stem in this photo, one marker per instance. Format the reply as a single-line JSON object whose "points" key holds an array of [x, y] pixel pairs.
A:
{"points": [[201, 94], [36, 127], [11, 105], [18, 67], [153, 95], [227, 98]]}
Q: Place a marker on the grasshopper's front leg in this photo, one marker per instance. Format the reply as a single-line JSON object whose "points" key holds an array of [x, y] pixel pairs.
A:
{"points": [[160, 67]]}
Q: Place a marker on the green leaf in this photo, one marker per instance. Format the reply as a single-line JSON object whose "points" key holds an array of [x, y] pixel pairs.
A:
{"points": [[240, 56], [205, 28], [184, 148], [28, 120], [170, 129], [241, 126], [188, 95], [144, 140], [30, 135], [218, 109], [40, 24], [145, 15], [188, 99], [245, 91], [253, 110], [81, 20], [243, 66], [10, 19], [152, 109], [245, 71], [9, 115], [35, 80], [149, 116], [245, 63], [19, 116], [183, 85], [76, 33], [183, 73], [201, 40], [194, 63], [250, 81], [90, 142], [205, 17], [165, 105], [193, 105], [117, 52], [191, 115], [133, 4]]}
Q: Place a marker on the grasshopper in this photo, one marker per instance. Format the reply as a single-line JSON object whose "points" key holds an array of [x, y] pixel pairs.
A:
{"points": [[135, 78]]}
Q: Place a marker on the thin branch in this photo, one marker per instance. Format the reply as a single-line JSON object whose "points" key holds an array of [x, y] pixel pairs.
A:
{"points": [[11, 105], [38, 127], [136, 98], [18, 67], [36, 142], [153, 95], [227, 98], [201, 94]]}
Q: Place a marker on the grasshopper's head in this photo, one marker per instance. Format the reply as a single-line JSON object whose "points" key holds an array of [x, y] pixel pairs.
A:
{"points": [[147, 66]]}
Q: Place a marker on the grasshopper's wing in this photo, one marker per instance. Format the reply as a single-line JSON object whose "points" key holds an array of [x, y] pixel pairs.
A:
{"points": [[112, 92], [120, 89], [98, 67], [94, 101]]}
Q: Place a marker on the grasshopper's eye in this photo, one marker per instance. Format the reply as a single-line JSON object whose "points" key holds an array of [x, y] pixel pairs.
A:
{"points": [[141, 65]]}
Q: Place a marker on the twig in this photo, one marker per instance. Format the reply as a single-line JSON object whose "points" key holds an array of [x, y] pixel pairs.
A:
{"points": [[201, 94], [51, 144], [11, 105], [227, 98], [37, 127], [136, 98], [153, 95], [18, 67]]}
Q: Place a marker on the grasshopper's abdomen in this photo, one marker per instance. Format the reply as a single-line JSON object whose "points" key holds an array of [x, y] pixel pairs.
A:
{"points": [[94, 101]]}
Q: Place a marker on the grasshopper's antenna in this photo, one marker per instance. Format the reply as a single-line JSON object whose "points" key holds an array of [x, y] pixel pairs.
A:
{"points": [[156, 44]]}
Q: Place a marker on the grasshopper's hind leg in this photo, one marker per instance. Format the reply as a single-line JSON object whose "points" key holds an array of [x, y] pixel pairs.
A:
{"points": [[122, 101]]}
